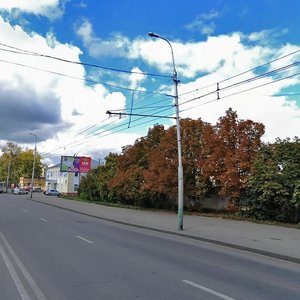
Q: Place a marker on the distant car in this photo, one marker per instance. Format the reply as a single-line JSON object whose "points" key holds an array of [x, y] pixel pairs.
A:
{"points": [[37, 189], [19, 191], [52, 193]]}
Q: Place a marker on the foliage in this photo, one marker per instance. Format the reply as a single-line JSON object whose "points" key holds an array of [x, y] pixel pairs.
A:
{"points": [[229, 152], [225, 160], [216, 160], [94, 186], [274, 188], [21, 162], [130, 181]]}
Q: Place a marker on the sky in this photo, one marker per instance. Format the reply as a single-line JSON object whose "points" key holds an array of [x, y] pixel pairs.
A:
{"points": [[65, 63]]}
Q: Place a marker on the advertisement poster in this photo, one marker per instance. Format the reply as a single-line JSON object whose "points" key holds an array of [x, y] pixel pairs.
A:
{"points": [[84, 164], [75, 164]]}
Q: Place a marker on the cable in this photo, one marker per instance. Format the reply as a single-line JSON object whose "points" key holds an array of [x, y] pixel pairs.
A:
{"points": [[100, 134], [89, 136], [81, 132], [243, 91], [244, 81], [81, 79], [26, 52], [244, 72]]}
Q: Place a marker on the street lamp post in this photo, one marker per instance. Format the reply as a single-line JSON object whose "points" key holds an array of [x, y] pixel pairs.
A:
{"points": [[33, 166], [8, 172], [180, 168]]}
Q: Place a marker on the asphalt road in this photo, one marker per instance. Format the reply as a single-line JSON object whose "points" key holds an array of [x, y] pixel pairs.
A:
{"points": [[50, 253]]}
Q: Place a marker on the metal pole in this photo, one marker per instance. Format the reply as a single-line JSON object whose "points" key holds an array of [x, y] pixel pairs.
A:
{"points": [[8, 172], [33, 166], [180, 168]]}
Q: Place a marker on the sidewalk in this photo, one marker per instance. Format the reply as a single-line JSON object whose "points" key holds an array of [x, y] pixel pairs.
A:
{"points": [[273, 241]]}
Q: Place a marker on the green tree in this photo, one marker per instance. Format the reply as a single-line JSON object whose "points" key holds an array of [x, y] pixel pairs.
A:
{"points": [[273, 190], [21, 162], [26, 157], [94, 186], [11, 152], [89, 187]]}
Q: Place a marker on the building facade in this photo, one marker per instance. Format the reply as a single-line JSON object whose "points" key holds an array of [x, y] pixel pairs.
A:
{"points": [[66, 183]]}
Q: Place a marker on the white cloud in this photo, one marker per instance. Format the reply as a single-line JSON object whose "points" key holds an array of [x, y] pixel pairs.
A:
{"points": [[51, 9], [221, 57], [280, 116], [69, 106], [116, 46], [45, 103], [135, 78], [203, 22], [266, 36], [82, 4]]}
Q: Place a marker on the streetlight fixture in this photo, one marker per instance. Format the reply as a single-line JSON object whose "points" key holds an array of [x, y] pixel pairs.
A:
{"points": [[180, 168], [33, 166]]}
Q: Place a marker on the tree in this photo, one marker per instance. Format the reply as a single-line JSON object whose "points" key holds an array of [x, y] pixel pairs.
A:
{"points": [[21, 162], [274, 188], [11, 152], [162, 173], [133, 183], [107, 172], [128, 178], [26, 157], [230, 153], [94, 186]]}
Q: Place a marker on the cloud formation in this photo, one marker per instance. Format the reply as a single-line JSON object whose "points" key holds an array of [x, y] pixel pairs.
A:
{"points": [[117, 45], [68, 114], [55, 108], [52, 9], [203, 23]]}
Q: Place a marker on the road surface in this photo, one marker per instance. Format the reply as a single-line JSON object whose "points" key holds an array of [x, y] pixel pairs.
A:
{"points": [[51, 253]]}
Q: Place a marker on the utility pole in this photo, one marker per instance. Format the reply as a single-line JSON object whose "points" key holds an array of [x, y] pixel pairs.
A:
{"points": [[179, 150], [33, 166], [8, 172], [180, 168]]}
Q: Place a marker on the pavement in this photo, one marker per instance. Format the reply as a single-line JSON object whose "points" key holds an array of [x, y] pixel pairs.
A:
{"points": [[273, 241]]}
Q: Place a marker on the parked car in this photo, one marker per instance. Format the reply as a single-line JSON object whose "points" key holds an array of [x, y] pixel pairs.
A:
{"points": [[19, 191], [37, 189], [52, 193]]}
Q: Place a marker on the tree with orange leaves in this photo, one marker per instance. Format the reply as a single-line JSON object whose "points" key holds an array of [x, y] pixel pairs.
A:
{"points": [[230, 153]]}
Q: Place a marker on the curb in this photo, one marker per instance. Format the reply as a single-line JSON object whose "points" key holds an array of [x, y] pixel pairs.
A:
{"points": [[184, 235]]}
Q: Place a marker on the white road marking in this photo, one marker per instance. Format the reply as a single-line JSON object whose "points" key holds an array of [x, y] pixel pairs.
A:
{"points": [[208, 290], [44, 220], [30, 281], [20, 287], [24, 210], [82, 238]]}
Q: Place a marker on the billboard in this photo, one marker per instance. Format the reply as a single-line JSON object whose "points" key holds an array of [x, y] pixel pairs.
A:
{"points": [[79, 164]]}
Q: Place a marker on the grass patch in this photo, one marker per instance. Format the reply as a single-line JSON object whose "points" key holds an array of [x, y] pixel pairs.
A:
{"points": [[211, 214]]}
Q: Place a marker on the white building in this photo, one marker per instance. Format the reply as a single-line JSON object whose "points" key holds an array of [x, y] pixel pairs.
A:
{"points": [[66, 183]]}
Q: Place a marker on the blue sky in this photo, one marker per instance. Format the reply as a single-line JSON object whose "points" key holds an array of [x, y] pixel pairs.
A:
{"points": [[212, 41]]}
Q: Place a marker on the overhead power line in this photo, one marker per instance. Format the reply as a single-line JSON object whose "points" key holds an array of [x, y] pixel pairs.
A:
{"points": [[82, 79], [242, 73], [243, 91], [123, 126], [246, 81], [106, 132], [32, 53]]}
